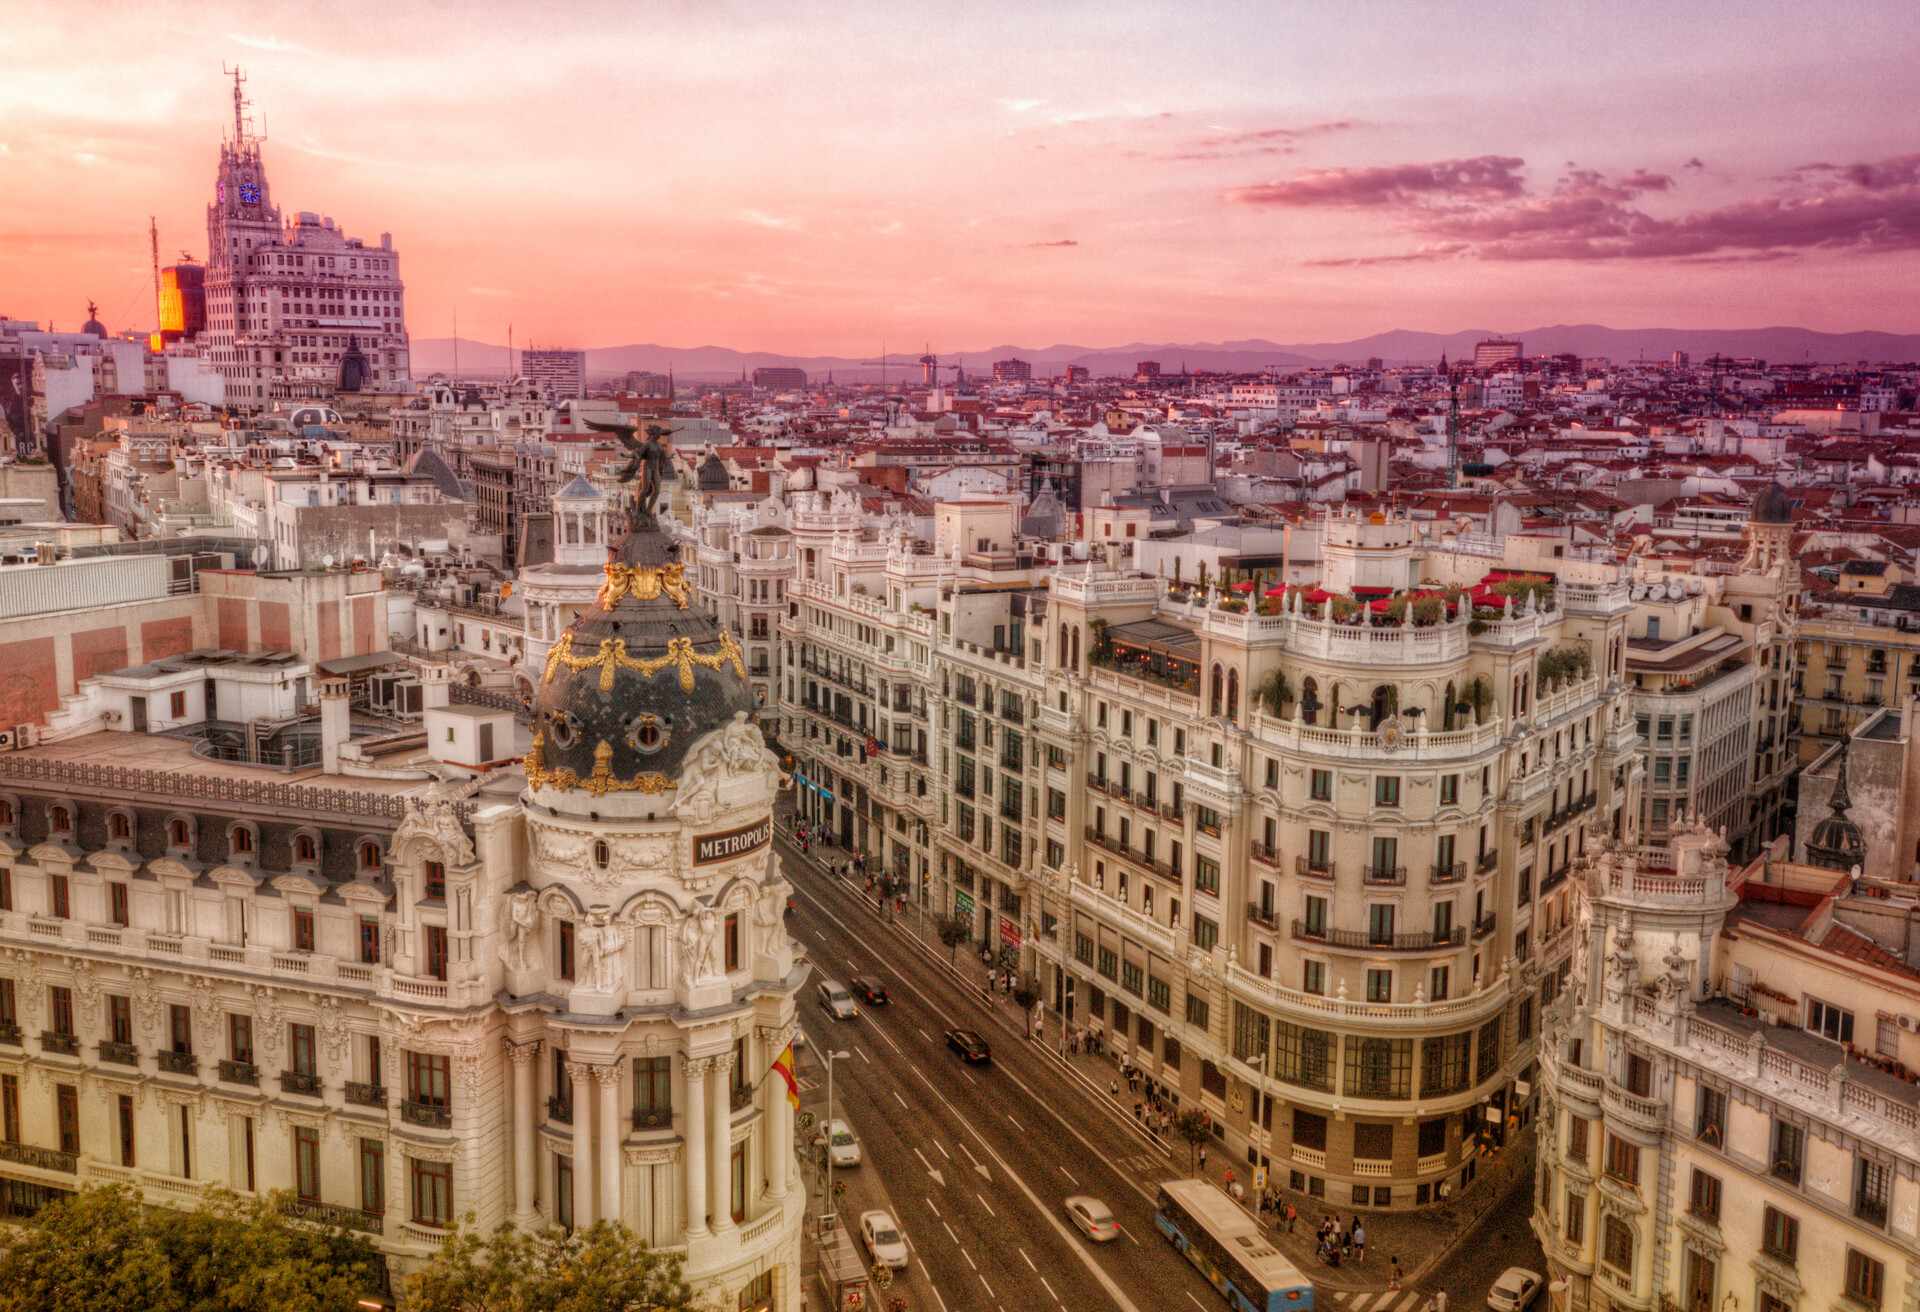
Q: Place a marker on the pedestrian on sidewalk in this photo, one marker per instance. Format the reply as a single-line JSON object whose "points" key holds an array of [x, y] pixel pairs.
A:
{"points": [[1292, 1216], [1359, 1242], [1203, 1159], [1393, 1277], [1440, 1301], [1113, 1090]]}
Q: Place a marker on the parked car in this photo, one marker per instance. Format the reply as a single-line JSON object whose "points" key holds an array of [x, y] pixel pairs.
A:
{"points": [[1515, 1290], [836, 1001], [972, 1048], [1093, 1218], [883, 1239], [841, 1147], [870, 989]]}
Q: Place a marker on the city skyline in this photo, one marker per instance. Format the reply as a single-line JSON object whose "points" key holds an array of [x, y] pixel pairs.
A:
{"points": [[1097, 175]]}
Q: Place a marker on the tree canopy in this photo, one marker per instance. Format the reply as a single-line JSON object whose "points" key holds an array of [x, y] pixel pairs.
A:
{"points": [[105, 1250], [603, 1268]]}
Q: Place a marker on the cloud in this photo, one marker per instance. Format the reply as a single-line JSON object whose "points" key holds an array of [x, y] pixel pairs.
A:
{"points": [[1866, 207], [1226, 143], [761, 219], [1484, 177], [270, 44], [1018, 105], [892, 228], [1052, 245], [1696, 163]]}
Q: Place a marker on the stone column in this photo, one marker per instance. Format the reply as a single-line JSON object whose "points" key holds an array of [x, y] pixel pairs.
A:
{"points": [[779, 1137], [608, 1078], [526, 1128], [696, 1136], [720, 1147], [578, 1073]]}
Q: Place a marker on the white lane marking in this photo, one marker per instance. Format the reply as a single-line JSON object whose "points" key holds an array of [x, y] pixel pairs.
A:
{"points": [[923, 1034], [902, 1101], [970, 1079], [863, 1054], [1016, 1124], [1128, 1233], [1196, 1302], [923, 1161], [990, 1293], [935, 1288], [1050, 1294], [950, 1234], [969, 1256], [1069, 1174], [1094, 1269], [989, 1206], [943, 1150], [930, 1206], [1029, 1261]]}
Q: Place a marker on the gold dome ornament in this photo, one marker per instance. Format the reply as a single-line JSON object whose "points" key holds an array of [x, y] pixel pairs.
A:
{"points": [[612, 655], [645, 583], [599, 783]]}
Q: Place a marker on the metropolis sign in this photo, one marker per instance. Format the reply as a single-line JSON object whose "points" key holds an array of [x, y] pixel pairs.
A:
{"points": [[708, 848]]}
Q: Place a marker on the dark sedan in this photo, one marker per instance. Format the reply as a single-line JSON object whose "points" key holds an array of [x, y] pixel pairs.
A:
{"points": [[868, 989], [972, 1048]]}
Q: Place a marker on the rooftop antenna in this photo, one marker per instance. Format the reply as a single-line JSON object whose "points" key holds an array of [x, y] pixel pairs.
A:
{"points": [[509, 351], [456, 343], [1453, 426], [239, 103]]}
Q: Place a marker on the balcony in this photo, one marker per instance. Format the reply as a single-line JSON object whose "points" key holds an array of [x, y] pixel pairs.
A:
{"points": [[740, 1097], [120, 1054], [1385, 876], [67, 1045], [303, 1082], [10, 1033], [1262, 915], [651, 1118], [1488, 860], [433, 1115], [43, 1159], [177, 1063], [560, 1111], [1266, 856], [348, 1218], [1356, 938], [239, 1072], [1451, 874], [1307, 868], [366, 1095], [1871, 1210], [1484, 926]]}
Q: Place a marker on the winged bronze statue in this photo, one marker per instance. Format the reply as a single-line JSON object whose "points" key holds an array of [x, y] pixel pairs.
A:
{"points": [[650, 463]]}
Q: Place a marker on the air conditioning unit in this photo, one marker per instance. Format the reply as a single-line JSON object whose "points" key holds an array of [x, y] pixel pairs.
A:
{"points": [[1906, 1022], [6, 740]]}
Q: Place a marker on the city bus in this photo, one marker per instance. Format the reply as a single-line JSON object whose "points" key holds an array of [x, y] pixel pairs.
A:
{"points": [[1225, 1243]]}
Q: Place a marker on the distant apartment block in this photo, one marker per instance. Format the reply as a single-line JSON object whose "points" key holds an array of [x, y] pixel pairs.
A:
{"points": [[1011, 371], [777, 377], [1496, 351], [560, 374]]}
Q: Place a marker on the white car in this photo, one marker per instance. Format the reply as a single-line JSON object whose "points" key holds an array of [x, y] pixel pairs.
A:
{"points": [[842, 1148], [883, 1239], [1093, 1217], [1516, 1288]]}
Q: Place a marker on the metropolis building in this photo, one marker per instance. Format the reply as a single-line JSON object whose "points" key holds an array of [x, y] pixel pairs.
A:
{"points": [[544, 995], [294, 311]]}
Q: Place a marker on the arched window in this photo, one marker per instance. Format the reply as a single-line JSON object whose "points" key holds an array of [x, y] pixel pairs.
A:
{"points": [[369, 855], [305, 848], [60, 820], [1076, 649], [242, 840], [434, 880], [1065, 649], [1215, 686], [6, 814], [601, 854], [117, 826], [1310, 701], [1233, 694], [1385, 699], [178, 834]]}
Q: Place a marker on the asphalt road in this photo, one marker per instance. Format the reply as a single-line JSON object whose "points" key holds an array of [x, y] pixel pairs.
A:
{"points": [[975, 1162]]}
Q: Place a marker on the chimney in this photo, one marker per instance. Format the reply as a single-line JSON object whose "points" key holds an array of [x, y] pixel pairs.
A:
{"points": [[436, 686], [335, 720]]}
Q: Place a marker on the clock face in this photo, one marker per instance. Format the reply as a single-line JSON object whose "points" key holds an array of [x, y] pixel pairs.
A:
{"points": [[249, 193], [220, 191]]}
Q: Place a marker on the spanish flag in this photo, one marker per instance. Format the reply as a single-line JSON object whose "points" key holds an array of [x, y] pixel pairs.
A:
{"points": [[784, 1065]]}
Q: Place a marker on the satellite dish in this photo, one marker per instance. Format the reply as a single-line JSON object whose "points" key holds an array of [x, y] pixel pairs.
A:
{"points": [[327, 560], [259, 554]]}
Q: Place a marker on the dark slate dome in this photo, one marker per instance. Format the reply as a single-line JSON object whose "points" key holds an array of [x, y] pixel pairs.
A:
{"points": [[1836, 842], [712, 475], [635, 681], [1771, 505]]}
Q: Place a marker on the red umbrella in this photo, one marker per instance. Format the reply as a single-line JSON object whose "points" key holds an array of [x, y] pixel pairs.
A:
{"points": [[1244, 585], [1277, 590]]}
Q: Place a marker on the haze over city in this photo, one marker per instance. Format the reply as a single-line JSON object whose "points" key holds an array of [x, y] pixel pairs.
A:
{"points": [[822, 180]]}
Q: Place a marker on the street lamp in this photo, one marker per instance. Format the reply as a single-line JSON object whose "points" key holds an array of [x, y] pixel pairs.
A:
{"points": [[832, 1057]]}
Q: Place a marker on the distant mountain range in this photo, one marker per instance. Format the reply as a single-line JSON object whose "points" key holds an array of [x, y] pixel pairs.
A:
{"points": [[1778, 345]]}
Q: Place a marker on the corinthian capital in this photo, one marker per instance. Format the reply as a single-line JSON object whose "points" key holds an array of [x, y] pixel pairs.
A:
{"points": [[520, 1052], [608, 1075]]}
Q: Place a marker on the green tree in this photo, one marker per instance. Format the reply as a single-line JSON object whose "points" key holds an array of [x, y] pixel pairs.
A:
{"points": [[603, 1268], [106, 1249], [953, 931], [1196, 1127]]}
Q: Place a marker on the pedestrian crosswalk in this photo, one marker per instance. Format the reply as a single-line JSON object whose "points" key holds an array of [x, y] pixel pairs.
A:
{"points": [[1379, 1300]]}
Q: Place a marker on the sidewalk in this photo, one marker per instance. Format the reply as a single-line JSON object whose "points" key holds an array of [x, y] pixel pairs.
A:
{"points": [[1421, 1240]]}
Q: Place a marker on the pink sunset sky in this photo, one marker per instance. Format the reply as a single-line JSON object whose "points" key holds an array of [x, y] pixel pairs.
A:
{"points": [[820, 178]]}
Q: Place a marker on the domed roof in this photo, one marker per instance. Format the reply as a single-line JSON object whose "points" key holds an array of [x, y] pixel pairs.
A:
{"points": [[1836, 842], [633, 683], [712, 475], [1771, 505]]}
